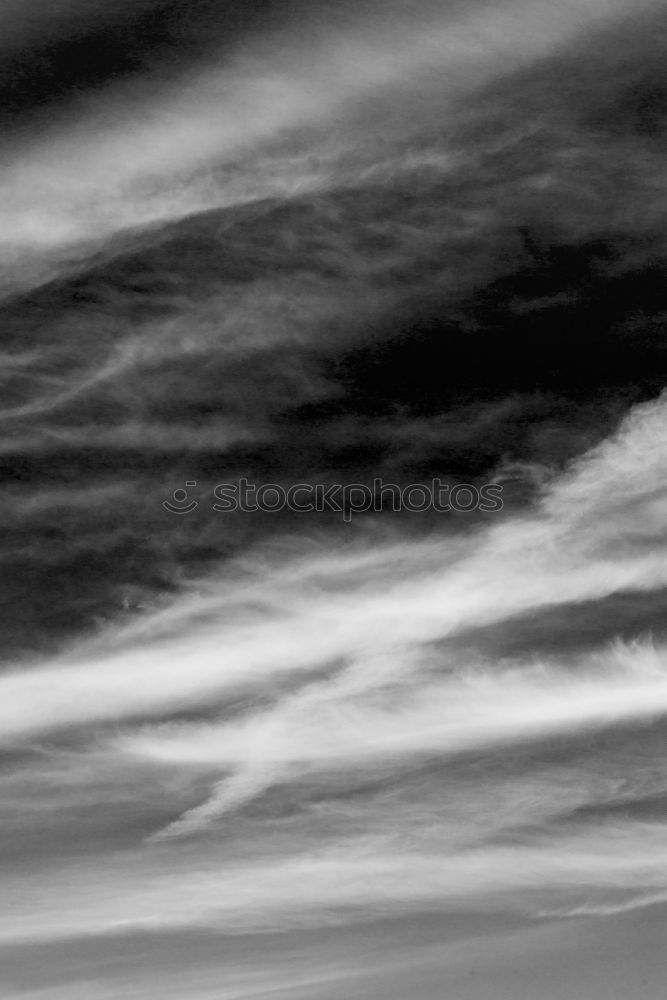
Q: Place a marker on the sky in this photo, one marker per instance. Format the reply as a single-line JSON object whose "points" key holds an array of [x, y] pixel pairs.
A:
{"points": [[357, 750]]}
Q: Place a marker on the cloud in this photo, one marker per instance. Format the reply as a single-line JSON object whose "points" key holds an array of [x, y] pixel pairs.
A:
{"points": [[126, 156], [357, 879], [598, 532], [291, 727], [345, 724], [320, 666]]}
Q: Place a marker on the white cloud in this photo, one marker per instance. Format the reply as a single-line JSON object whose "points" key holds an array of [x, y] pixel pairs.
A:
{"points": [[357, 879], [600, 531], [131, 156]]}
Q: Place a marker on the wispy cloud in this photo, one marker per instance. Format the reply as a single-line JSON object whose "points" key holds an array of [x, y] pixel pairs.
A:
{"points": [[237, 727], [599, 531], [336, 727], [358, 879], [118, 161], [378, 619]]}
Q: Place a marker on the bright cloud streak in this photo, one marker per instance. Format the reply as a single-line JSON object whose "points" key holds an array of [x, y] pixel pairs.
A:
{"points": [[369, 876], [118, 165], [571, 552]]}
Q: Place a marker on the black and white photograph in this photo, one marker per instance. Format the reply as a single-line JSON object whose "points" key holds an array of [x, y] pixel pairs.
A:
{"points": [[333, 493]]}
